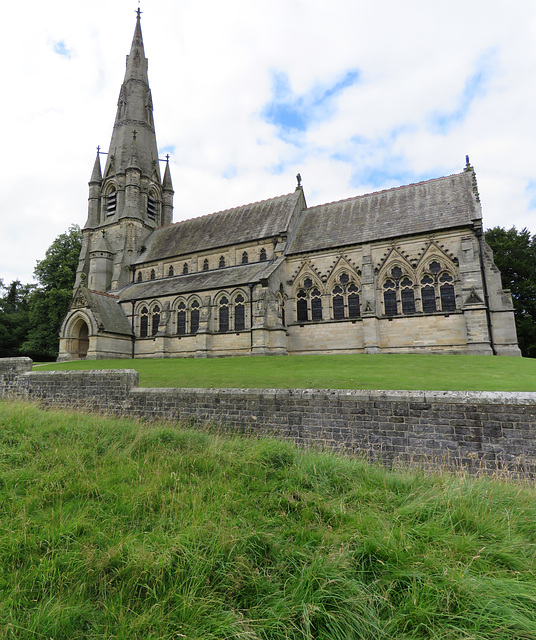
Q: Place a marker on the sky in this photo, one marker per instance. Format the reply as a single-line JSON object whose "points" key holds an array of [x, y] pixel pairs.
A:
{"points": [[356, 96]]}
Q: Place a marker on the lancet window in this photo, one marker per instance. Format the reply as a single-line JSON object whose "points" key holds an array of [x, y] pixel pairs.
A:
{"points": [[345, 298], [187, 317], [437, 289], [262, 255], [308, 302], [205, 264], [152, 205], [171, 271], [245, 258], [185, 269], [111, 200], [398, 293], [149, 321]]}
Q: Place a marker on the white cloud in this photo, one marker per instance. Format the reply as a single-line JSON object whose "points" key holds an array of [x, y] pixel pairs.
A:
{"points": [[211, 66]]}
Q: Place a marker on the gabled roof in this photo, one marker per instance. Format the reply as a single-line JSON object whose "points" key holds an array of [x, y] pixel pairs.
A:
{"points": [[108, 310], [255, 221], [202, 281], [416, 208]]}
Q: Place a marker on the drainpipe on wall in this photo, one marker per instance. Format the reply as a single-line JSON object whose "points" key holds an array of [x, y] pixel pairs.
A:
{"points": [[132, 326], [251, 285]]}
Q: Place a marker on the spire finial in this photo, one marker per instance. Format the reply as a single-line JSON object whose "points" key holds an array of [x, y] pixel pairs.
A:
{"points": [[467, 163], [139, 11], [298, 178]]}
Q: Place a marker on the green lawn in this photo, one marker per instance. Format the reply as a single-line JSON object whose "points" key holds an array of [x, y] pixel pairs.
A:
{"points": [[426, 372], [116, 529]]}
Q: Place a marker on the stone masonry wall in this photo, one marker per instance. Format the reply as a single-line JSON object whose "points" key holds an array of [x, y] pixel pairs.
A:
{"points": [[475, 430]]}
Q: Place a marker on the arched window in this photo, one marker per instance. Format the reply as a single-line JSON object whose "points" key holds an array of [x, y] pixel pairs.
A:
{"points": [[222, 262], [407, 295], [111, 200], [345, 298], [140, 277], [437, 289], [447, 295], [205, 264], [155, 320], [245, 258], [153, 274], [428, 295], [262, 256], [152, 205], [185, 269], [239, 313], [171, 272], [194, 316], [223, 314], [301, 306], [144, 322], [389, 298], [316, 305], [181, 319]]}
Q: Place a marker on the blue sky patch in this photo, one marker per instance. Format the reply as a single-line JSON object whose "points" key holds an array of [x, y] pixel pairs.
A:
{"points": [[293, 113], [230, 172], [531, 191], [62, 50]]}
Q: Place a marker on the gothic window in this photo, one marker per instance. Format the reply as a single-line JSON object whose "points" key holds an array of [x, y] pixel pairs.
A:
{"points": [[239, 313], [140, 277], [345, 299], [262, 256], [153, 274], [152, 205], [396, 272], [437, 290], [428, 294], [185, 269], [446, 290], [171, 272], [407, 295], [111, 201], [245, 257], [435, 267], [155, 320], [181, 319], [222, 262], [301, 306], [389, 298], [307, 283], [224, 315], [205, 264], [316, 305], [144, 322], [194, 316]]}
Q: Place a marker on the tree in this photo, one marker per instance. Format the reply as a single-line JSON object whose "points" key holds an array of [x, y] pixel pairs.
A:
{"points": [[14, 317], [515, 255], [50, 300]]}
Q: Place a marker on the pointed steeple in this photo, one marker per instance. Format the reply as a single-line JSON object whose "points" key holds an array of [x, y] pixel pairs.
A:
{"points": [[167, 196], [96, 174], [134, 111]]}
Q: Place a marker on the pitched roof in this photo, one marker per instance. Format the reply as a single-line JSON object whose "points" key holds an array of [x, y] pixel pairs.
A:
{"points": [[109, 311], [201, 281], [255, 221], [416, 208]]}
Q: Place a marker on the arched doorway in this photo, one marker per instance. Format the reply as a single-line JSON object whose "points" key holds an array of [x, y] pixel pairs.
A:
{"points": [[79, 339], [83, 340]]}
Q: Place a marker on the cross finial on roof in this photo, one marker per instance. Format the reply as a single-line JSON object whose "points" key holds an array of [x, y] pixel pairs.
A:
{"points": [[98, 149], [467, 163], [167, 158], [139, 11], [298, 178]]}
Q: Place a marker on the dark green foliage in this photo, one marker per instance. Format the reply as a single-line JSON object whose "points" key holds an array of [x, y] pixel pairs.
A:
{"points": [[14, 318], [116, 529], [514, 254], [50, 300]]}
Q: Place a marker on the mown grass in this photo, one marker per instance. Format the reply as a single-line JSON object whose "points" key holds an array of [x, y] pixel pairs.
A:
{"points": [[115, 529], [426, 372]]}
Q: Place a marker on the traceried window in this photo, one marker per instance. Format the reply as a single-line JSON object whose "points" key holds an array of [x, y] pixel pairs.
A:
{"points": [[398, 293], [345, 298], [301, 306], [223, 314], [155, 317], [407, 295], [171, 272], [437, 289], [239, 313], [144, 322], [222, 262], [185, 269], [194, 317], [181, 319], [308, 302], [389, 298], [262, 256], [245, 258], [428, 297], [316, 305], [205, 264], [446, 292]]}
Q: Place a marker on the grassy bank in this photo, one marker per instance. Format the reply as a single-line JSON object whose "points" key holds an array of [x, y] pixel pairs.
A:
{"points": [[115, 529], [426, 372]]}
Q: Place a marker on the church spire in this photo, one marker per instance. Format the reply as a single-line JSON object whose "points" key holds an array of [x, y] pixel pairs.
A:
{"points": [[134, 111]]}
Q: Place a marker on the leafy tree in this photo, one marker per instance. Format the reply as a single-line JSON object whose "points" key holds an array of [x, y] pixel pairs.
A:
{"points": [[515, 255], [51, 298], [14, 317]]}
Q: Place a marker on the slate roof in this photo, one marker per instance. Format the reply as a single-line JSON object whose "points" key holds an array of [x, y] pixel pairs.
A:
{"points": [[109, 311], [201, 281], [416, 208], [255, 221]]}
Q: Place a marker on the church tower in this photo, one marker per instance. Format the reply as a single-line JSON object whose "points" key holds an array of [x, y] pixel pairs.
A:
{"points": [[129, 199]]}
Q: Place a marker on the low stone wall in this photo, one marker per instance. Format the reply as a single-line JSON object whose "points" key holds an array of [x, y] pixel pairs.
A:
{"points": [[476, 430]]}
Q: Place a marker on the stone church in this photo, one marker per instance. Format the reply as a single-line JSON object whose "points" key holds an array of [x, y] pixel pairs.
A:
{"points": [[405, 270]]}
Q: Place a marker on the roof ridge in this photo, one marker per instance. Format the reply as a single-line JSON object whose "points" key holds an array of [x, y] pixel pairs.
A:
{"points": [[101, 293], [214, 213], [373, 193]]}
